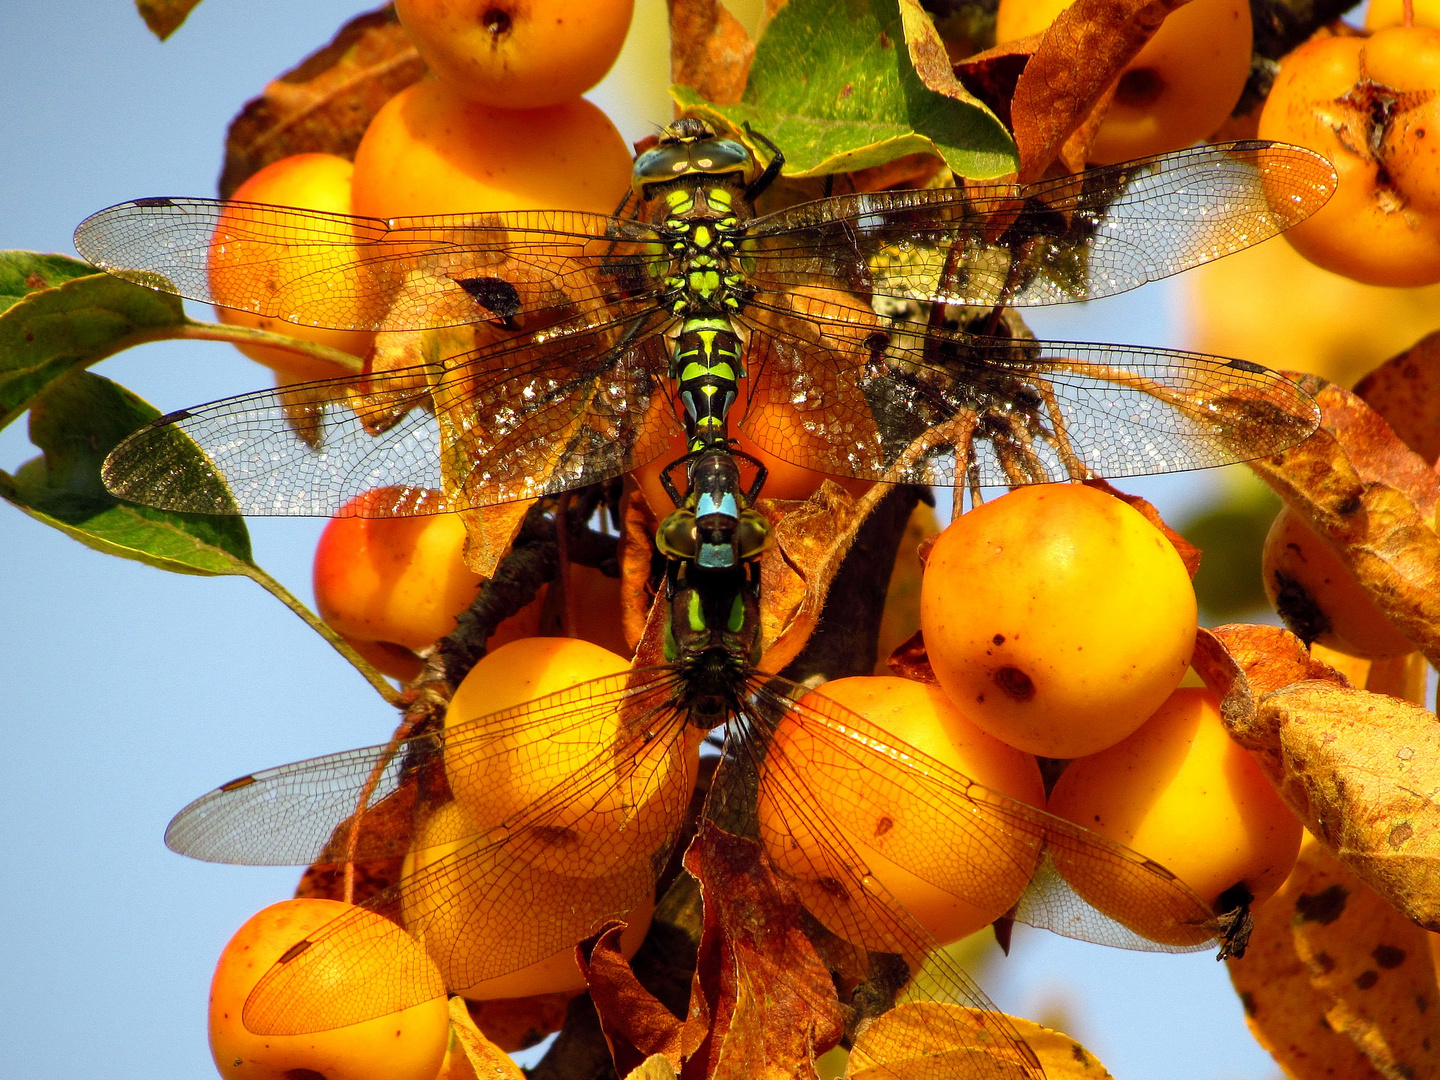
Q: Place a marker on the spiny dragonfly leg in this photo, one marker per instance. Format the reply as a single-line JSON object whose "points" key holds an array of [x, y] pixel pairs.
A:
{"points": [[1059, 437]]}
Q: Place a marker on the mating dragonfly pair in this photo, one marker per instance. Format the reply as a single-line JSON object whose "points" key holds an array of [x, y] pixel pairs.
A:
{"points": [[587, 330]]}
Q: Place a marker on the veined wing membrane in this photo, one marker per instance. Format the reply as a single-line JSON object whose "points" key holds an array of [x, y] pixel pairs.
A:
{"points": [[973, 843], [860, 929], [354, 273], [1075, 238], [528, 415], [292, 815], [489, 888], [865, 392]]}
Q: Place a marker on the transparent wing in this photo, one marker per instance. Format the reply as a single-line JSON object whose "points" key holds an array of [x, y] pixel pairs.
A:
{"points": [[294, 815], [1078, 237], [355, 273], [835, 388], [915, 1014], [552, 817], [905, 811], [528, 415]]}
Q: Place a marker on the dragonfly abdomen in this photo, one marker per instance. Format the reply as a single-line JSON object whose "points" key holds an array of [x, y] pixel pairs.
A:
{"points": [[707, 366]]}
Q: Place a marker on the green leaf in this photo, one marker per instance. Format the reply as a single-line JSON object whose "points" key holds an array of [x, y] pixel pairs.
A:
{"points": [[24, 272], [834, 86], [51, 331], [164, 17], [78, 420]]}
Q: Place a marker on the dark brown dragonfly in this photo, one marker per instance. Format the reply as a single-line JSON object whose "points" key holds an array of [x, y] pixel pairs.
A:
{"points": [[548, 340]]}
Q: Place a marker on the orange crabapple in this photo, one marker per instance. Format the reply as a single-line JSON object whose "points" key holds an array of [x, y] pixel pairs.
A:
{"points": [[1058, 617]]}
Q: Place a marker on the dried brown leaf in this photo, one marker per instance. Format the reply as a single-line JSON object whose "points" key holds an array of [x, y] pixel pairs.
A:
{"points": [[637, 545], [1360, 769], [164, 17], [709, 50], [992, 75], [324, 104], [812, 540], [907, 1035], [1348, 968], [489, 531], [656, 1067], [1283, 1010], [911, 660], [1405, 390], [487, 1060], [770, 1001], [1077, 61], [636, 1024], [1372, 498]]}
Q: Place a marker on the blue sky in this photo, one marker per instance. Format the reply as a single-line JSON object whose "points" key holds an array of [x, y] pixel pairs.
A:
{"points": [[128, 691]]}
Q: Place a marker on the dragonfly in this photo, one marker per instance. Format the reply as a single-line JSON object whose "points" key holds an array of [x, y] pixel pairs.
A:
{"points": [[567, 348], [493, 889]]}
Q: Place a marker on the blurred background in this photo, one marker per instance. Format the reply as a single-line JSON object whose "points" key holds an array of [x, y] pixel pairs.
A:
{"points": [[128, 691]]}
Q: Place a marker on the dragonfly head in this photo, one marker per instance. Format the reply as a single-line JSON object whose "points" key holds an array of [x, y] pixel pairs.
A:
{"points": [[715, 528], [687, 148]]}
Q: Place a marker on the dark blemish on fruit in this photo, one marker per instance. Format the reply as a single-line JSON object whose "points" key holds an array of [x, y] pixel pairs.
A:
{"points": [[998, 639], [1366, 979], [496, 22], [1017, 685]]}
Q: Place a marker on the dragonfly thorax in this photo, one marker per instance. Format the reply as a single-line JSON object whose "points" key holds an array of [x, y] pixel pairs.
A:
{"points": [[716, 526], [713, 629]]}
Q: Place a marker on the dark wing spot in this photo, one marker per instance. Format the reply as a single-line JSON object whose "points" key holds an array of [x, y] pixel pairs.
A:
{"points": [[157, 200], [493, 294], [1246, 365], [171, 418], [294, 950], [1401, 834], [238, 783]]}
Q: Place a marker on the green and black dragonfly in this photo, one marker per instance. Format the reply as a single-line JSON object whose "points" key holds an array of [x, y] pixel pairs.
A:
{"points": [[786, 855], [589, 345]]}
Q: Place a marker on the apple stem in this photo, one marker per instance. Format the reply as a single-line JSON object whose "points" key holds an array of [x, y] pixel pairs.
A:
{"points": [[352, 840], [381, 684], [562, 572], [245, 335]]}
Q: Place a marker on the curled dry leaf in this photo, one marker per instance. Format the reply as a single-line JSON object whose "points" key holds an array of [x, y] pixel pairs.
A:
{"points": [[324, 104], [1336, 983], [1361, 770], [760, 987], [489, 532], [486, 1059], [636, 1024], [1405, 390], [1362, 489], [637, 545], [1073, 69], [709, 50]]}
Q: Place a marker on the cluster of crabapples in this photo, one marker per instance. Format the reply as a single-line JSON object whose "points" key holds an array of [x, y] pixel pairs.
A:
{"points": [[1057, 619]]}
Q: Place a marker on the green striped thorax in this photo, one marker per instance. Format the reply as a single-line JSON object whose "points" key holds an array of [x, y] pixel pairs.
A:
{"points": [[696, 188]]}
